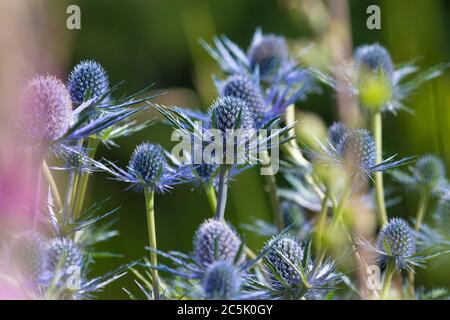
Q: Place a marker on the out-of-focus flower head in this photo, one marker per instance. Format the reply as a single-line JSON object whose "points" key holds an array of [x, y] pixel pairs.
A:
{"points": [[222, 281]]}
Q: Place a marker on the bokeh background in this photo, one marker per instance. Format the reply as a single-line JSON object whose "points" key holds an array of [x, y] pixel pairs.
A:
{"points": [[144, 42]]}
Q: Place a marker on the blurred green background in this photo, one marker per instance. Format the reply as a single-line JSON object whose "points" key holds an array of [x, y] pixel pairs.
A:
{"points": [[143, 42]]}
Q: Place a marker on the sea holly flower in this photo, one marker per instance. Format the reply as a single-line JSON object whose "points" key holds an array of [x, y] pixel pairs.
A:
{"points": [[428, 173], [290, 272], [357, 149], [374, 79], [64, 257], [222, 281]]}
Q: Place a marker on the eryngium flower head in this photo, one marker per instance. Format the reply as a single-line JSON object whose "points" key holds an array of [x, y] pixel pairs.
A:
{"points": [[222, 281], [148, 162], [63, 254], [430, 171], [396, 240], [337, 132], [231, 113], [374, 58], [285, 253], [206, 172], [267, 54], [359, 147], [88, 79], [30, 256], [49, 109], [216, 241], [243, 88]]}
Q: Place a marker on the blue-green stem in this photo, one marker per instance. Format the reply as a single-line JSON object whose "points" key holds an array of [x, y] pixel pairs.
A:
{"points": [[388, 274], [70, 196], [377, 127], [222, 192], [272, 185], [150, 208], [53, 186]]}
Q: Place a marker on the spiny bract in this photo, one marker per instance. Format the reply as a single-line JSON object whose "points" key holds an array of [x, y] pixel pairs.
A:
{"points": [[214, 241], [222, 281], [49, 109], [396, 239], [30, 256], [88, 79], [430, 171], [359, 147], [63, 254], [281, 256], [267, 54], [148, 161], [375, 58], [243, 88], [232, 113]]}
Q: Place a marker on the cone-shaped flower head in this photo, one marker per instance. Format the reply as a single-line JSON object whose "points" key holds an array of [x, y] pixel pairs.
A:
{"points": [[281, 256], [49, 109], [206, 172], [337, 132], [230, 113], [30, 256], [430, 171], [148, 162], [222, 281], [396, 240], [63, 255], [374, 58], [267, 54], [243, 88], [215, 241], [359, 147], [88, 79]]}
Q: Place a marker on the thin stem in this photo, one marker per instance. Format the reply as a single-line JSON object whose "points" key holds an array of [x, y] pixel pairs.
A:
{"points": [[322, 222], [84, 179], [211, 195], [70, 196], [421, 211], [222, 193], [150, 208], [274, 201], [377, 128], [387, 280], [37, 200], [52, 184]]}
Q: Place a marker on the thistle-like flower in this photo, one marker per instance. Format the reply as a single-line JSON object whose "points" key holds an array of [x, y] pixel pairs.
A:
{"points": [[357, 149], [242, 87], [216, 241], [374, 58], [337, 132], [291, 273], [396, 241], [149, 169], [64, 257], [49, 109], [267, 54], [222, 281], [231, 113], [30, 257], [207, 173], [87, 80], [428, 174]]}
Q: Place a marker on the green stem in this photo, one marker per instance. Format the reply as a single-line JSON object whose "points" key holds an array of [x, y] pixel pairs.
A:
{"points": [[84, 179], [274, 201], [421, 211], [70, 196], [52, 184], [387, 280], [377, 128], [322, 222], [211, 195], [150, 208], [223, 192]]}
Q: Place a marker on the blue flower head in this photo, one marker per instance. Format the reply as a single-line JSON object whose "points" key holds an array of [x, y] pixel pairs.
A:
{"points": [[374, 58], [148, 162], [222, 281], [63, 255], [231, 113], [49, 109], [337, 132], [242, 87], [30, 258], [216, 241], [267, 53], [206, 173], [87, 80], [396, 240]]}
